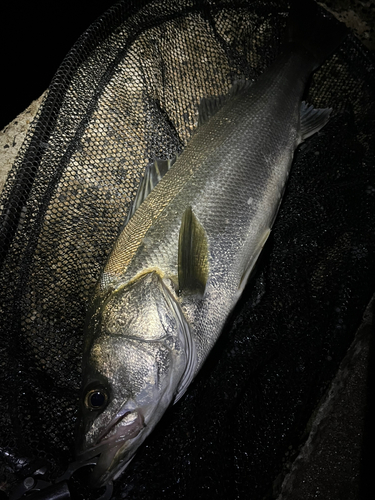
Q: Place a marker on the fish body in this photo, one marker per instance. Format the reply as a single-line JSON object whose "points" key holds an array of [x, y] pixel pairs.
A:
{"points": [[232, 174], [182, 261]]}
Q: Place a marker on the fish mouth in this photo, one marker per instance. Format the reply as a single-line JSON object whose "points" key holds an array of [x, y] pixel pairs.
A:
{"points": [[114, 447]]}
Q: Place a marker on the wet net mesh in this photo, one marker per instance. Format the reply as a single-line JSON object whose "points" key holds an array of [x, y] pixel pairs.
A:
{"points": [[128, 92]]}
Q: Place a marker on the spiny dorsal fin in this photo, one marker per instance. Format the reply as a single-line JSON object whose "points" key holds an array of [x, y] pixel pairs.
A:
{"points": [[312, 119], [210, 105], [192, 255], [153, 174]]}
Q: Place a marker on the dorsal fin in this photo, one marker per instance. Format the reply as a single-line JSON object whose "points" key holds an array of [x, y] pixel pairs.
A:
{"points": [[192, 255], [312, 119], [210, 105], [153, 174]]}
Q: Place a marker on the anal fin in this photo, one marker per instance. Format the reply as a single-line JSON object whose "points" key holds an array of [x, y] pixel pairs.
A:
{"points": [[312, 119], [250, 264]]}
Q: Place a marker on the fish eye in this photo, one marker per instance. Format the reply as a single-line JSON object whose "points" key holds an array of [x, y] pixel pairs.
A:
{"points": [[96, 399]]}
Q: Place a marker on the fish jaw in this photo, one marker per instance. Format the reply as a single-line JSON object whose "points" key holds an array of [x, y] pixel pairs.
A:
{"points": [[115, 448], [114, 435], [118, 445]]}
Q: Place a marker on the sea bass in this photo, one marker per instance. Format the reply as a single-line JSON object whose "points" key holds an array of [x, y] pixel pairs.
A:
{"points": [[185, 255]]}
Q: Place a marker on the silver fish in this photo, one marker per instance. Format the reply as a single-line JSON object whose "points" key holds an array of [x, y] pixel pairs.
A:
{"points": [[182, 261]]}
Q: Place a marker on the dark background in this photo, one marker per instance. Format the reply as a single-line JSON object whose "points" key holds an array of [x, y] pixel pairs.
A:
{"points": [[35, 38]]}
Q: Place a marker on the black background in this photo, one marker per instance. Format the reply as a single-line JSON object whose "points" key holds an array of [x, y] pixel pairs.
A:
{"points": [[35, 38]]}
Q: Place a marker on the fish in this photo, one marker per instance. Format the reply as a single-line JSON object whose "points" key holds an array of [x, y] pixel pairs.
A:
{"points": [[193, 235]]}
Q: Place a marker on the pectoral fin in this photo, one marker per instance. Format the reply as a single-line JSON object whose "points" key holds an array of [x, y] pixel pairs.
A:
{"points": [[192, 255]]}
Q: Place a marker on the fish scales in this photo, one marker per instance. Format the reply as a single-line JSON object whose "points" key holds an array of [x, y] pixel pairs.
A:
{"points": [[182, 261], [219, 165], [232, 174]]}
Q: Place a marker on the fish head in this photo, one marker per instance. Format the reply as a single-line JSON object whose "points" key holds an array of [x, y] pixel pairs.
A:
{"points": [[135, 357]]}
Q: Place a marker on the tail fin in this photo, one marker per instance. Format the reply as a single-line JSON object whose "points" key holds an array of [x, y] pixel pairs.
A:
{"points": [[310, 29]]}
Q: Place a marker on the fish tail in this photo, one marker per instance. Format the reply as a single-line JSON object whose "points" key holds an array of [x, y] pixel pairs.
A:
{"points": [[316, 33]]}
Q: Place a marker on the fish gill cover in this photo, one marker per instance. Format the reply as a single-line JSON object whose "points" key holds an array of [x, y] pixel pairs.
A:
{"points": [[126, 93]]}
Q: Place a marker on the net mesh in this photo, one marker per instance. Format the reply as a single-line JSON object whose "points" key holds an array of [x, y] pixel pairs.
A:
{"points": [[127, 93]]}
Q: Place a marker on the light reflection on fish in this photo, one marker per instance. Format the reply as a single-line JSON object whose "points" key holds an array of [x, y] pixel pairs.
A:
{"points": [[183, 259]]}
